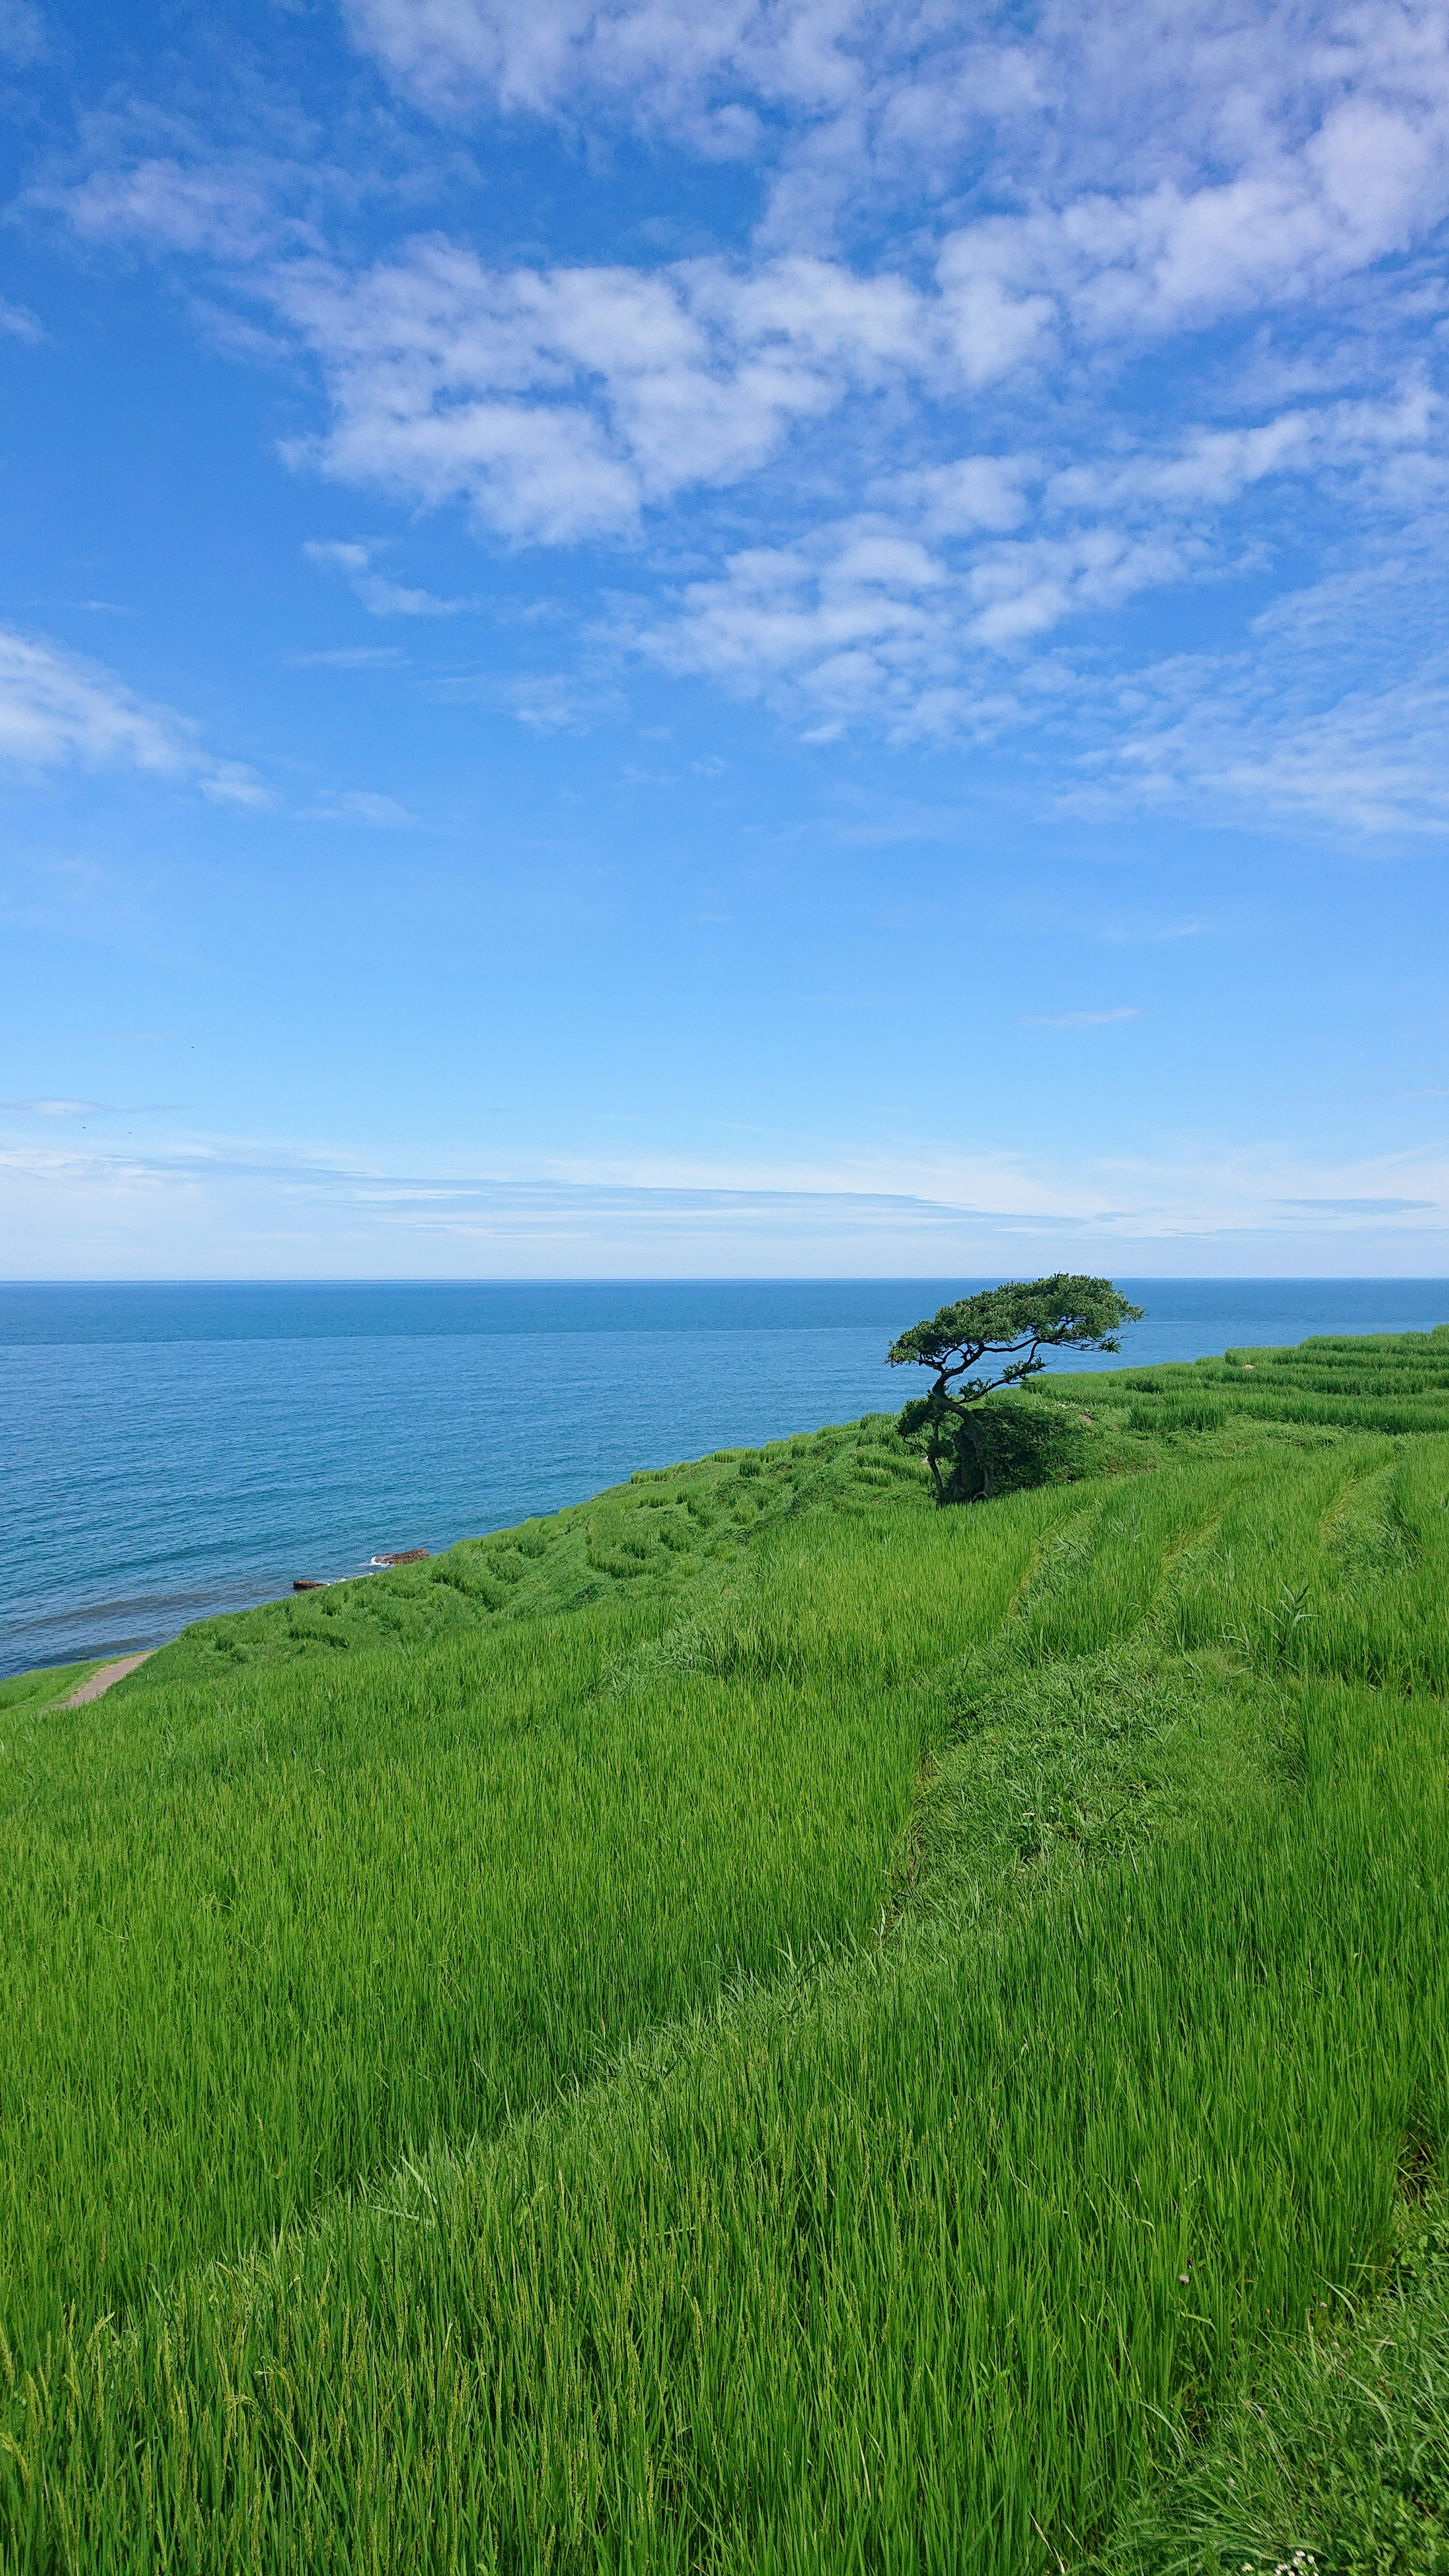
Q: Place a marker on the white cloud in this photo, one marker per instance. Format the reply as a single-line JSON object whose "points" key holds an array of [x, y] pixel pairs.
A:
{"points": [[1367, 184], [379, 596], [352, 657], [969, 493], [361, 805], [1363, 1207], [51, 1108], [894, 486], [114, 1210], [559, 403], [228, 211], [1025, 589], [1185, 480], [662, 64], [1240, 738], [17, 322], [556, 701], [853, 622], [864, 623], [904, 620], [1322, 123], [58, 709], [230, 782]]}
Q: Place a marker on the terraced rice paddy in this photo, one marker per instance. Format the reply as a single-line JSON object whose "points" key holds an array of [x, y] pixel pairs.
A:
{"points": [[754, 2025]]}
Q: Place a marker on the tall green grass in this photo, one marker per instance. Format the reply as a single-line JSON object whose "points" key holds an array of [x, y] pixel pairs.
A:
{"points": [[757, 2026], [1295, 1578], [1341, 2434], [661, 1534], [1394, 1383], [262, 1939], [930, 2263]]}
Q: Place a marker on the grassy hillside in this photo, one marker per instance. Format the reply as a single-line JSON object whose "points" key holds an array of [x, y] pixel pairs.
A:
{"points": [[758, 2026], [40, 1690]]}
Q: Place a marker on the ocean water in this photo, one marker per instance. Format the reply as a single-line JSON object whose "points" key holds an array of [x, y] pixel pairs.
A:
{"points": [[167, 1452]]}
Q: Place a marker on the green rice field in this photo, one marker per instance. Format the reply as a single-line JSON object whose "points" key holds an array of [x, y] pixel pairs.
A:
{"points": [[756, 2025]]}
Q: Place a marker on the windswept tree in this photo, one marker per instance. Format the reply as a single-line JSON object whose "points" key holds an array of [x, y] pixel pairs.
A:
{"points": [[972, 1454]]}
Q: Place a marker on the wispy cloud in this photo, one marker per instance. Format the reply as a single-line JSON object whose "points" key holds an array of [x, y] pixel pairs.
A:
{"points": [[229, 212], [1274, 736], [90, 1108], [380, 596], [360, 805], [58, 708], [1081, 1019], [22, 32], [672, 1214], [352, 657], [17, 322], [1362, 1207], [52, 1108], [559, 701]]}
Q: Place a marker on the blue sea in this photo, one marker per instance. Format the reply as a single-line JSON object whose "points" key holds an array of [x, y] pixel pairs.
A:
{"points": [[168, 1452]]}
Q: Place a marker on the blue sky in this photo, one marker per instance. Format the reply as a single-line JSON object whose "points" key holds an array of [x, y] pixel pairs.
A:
{"points": [[772, 637]]}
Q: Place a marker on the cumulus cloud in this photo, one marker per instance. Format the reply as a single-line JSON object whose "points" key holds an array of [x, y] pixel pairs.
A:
{"points": [[58, 709], [1367, 183], [703, 65], [562, 405], [855, 623], [1024, 589], [1157, 297], [920, 615], [866, 623], [1322, 124], [968, 493], [1209, 469], [558, 403]]}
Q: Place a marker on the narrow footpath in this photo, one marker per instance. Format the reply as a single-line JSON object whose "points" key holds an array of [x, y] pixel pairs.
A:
{"points": [[102, 1680]]}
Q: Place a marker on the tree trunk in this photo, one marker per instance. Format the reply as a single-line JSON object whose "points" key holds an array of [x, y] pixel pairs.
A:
{"points": [[981, 1456], [968, 1437]]}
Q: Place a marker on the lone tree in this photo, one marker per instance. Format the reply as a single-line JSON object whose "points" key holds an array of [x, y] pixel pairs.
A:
{"points": [[970, 1454]]}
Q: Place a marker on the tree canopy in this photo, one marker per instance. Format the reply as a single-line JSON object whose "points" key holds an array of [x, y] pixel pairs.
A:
{"points": [[1011, 1325]]}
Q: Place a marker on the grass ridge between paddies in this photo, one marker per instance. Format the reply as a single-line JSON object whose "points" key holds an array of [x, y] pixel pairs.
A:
{"points": [[853, 2040]]}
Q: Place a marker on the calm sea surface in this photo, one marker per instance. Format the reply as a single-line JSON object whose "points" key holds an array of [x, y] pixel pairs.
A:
{"points": [[166, 1452]]}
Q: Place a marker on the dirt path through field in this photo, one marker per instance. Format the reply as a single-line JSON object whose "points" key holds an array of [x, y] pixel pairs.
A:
{"points": [[102, 1680]]}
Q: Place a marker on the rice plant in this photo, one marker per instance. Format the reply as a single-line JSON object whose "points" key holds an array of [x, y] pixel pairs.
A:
{"points": [[759, 2026]]}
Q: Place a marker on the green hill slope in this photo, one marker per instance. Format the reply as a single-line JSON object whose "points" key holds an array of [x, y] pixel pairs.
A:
{"points": [[752, 2025]]}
